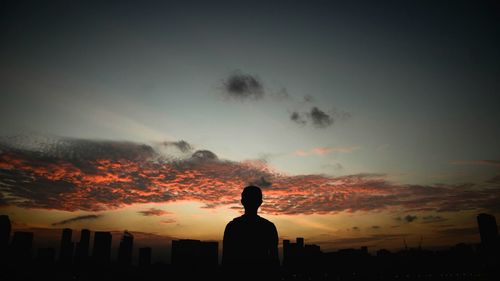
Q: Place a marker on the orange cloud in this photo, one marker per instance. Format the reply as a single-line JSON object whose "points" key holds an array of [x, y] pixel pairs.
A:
{"points": [[114, 179]]}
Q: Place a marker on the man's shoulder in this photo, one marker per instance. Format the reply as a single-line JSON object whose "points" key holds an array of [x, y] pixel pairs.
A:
{"points": [[245, 220], [266, 222]]}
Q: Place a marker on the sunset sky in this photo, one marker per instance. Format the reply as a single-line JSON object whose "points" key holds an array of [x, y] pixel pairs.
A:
{"points": [[365, 123]]}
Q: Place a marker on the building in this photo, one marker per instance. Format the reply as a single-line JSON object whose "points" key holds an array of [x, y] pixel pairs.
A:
{"points": [[298, 254], [488, 229], [292, 252], [82, 247], [101, 253], [66, 249], [145, 256], [22, 246], [5, 228], [195, 253], [46, 256], [125, 249]]}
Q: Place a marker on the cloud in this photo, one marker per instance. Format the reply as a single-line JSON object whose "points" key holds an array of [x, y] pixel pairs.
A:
{"points": [[298, 118], [261, 182], [433, 219], [321, 151], [153, 212], [333, 166], [79, 218], [407, 218], [204, 155], [495, 163], [243, 86], [63, 177], [375, 227], [308, 98], [168, 221], [319, 118], [182, 145]]}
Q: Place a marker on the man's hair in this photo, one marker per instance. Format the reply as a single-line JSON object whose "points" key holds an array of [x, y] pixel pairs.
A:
{"points": [[251, 195]]}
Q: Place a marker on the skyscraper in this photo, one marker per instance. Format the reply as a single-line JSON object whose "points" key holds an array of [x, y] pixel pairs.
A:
{"points": [[145, 256], [5, 229], [125, 249], [46, 256], [82, 247], [293, 252], [194, 253], [101, 252], [22, 245], [488, 230], [66, 249]]}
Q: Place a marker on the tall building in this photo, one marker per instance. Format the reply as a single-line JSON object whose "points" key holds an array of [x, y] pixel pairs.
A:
{"points": [[300, 242], [209, 253], [66, 249], [125, 249], [292, 252], [298, 254], [82, 247], [101, 253], [194, 253], [46, 256], [22, 245], [145, 256], [5, 228], [488, 229]]}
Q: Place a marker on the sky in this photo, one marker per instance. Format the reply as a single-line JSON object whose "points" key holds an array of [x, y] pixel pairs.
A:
{"points": [[364, 122]]}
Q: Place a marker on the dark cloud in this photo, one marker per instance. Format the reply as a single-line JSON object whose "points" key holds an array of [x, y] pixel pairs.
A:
{"points": [[433, 219], [204, 155], [182, 145], [79, 218], [153, 212], [355, 228], [308, 98], [298, 118], [261, 182], [407, 218], [319, 118], [375, 227], [410, 218], [243, 86], [61, 181]]}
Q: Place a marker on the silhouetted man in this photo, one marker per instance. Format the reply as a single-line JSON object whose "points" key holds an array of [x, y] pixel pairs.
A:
{"points": [[250, 241]]}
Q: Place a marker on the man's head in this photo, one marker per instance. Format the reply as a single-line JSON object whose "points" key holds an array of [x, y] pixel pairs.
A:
{"points": [[251, 198]]}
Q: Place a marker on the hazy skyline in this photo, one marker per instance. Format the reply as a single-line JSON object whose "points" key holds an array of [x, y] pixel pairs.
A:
{"points": [[363, 122]]}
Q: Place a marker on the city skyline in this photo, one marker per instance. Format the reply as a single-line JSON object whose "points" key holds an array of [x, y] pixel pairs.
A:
{"points": [[97, 247]]}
